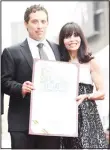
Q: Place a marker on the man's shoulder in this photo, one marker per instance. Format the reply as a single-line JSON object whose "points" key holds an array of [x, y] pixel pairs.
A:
{"points": [[53, 43], [15, 46]]}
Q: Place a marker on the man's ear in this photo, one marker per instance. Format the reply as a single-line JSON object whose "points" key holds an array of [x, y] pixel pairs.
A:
{"points": [[25, 24]]}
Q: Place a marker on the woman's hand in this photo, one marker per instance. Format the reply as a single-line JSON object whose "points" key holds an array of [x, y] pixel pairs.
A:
{"points": [[81, 98], [107, 134]]}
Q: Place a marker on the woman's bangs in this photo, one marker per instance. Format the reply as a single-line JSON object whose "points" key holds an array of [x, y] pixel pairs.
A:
{"points": [[69, 31]]}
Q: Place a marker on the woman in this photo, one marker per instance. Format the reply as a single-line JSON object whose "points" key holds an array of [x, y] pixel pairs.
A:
{"points": [[73, 48]]}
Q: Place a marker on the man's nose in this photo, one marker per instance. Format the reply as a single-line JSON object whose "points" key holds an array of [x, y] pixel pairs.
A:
{"points": [[39, 25]]}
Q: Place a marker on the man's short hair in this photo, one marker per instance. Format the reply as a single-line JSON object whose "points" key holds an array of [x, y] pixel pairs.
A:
{"points": [[33, 9]]}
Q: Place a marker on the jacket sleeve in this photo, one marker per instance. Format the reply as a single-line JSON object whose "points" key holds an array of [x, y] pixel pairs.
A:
{"points": [[8, 79], [2, 103]]}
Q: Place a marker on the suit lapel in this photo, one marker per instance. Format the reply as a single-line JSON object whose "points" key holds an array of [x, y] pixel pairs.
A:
{"points": [[27, 53], [55, 50], [28, 56]]}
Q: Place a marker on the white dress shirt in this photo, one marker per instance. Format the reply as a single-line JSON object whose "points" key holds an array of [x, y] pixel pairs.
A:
{"points": [[34, 49]]}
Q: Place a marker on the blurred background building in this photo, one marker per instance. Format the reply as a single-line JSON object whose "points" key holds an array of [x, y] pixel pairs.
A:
{"points": [[93, 19], [100, 21], [92, 16]]}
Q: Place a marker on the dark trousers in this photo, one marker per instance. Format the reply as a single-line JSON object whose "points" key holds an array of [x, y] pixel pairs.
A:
{"points": [[22, 140]]}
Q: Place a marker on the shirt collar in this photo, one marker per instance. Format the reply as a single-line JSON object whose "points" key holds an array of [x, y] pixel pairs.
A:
{"points": [[32, 41]]}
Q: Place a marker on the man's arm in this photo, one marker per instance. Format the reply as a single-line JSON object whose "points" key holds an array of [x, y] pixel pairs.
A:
{"points": [[2, 103], [8, 70]]}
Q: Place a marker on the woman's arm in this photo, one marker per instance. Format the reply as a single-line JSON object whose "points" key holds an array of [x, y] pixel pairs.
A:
{"points": [[98, 81]]}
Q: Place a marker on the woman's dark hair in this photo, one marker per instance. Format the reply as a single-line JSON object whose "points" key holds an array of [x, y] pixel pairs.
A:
{"points": [[66, 31]]}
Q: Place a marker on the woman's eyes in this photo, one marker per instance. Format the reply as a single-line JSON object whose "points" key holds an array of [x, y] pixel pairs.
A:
{"points": [[75, 34]]}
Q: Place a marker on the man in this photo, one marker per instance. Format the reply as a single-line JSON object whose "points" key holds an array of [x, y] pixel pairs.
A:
{"points": [[16, 77], [2, 103]]}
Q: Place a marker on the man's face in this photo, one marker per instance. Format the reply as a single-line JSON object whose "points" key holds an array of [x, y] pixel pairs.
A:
{"points": [[37, 25]]}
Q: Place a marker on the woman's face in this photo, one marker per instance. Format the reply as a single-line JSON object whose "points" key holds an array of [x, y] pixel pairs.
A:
{"points": [[72, 43]]}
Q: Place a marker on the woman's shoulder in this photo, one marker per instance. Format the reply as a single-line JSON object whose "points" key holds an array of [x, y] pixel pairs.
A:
{"points": [[94, 65]]}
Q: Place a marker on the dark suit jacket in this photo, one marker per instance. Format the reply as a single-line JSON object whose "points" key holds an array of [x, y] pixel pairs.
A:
{"points": [[2, 103], [16, 68]]}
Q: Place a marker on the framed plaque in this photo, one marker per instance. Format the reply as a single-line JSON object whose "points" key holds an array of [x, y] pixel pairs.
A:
{"points": [[53, 106]]}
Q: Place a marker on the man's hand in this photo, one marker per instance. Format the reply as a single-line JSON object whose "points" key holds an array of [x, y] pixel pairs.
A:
{"points": [[27, 87]]}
